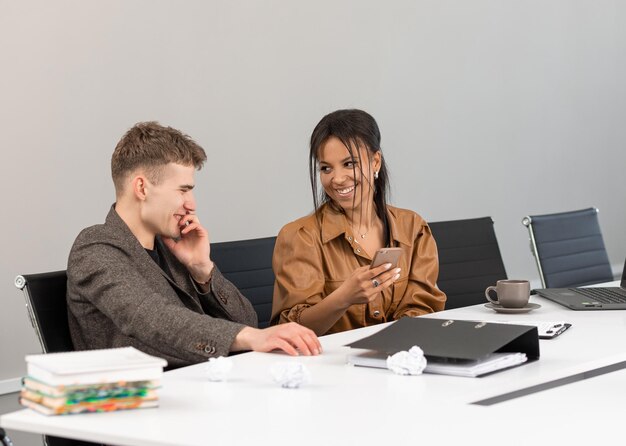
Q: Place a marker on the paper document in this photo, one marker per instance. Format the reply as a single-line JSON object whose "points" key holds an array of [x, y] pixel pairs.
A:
{"points": [[470, 368]]}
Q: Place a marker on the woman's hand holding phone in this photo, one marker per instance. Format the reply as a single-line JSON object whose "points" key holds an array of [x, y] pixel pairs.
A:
{"points": [[366, 283], [386, 255], [363, 286]]}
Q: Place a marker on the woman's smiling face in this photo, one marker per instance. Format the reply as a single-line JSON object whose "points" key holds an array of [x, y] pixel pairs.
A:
{"points": [[346, 180]]}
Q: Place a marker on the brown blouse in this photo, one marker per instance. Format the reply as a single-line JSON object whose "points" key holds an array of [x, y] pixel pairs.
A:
{"points": [[309, 264]]}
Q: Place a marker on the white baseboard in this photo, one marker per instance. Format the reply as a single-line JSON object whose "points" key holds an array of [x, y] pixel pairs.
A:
{"points": [[10, 385]]}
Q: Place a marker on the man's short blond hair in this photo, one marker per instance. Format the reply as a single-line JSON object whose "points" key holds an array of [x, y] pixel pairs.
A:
{"points": [[151, 146]]}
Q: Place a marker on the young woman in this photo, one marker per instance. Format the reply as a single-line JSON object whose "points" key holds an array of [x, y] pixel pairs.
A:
{"points": [[322, 261]]}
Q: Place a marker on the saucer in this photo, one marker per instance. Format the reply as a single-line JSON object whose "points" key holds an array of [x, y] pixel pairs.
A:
{"points": [[501, 309]]}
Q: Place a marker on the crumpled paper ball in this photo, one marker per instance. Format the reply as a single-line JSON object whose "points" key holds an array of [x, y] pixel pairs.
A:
{"points": [[217, 369], [290, 375], [412, 362]]}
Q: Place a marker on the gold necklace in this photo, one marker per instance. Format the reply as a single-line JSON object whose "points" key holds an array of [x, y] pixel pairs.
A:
{"points": [[362, 234]]}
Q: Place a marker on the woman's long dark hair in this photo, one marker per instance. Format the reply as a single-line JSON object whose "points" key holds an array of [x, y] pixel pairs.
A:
{"points": [[354, 128]]}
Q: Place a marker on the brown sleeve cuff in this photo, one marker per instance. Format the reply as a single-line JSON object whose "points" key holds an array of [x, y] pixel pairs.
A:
{"points": [[202, 288]]}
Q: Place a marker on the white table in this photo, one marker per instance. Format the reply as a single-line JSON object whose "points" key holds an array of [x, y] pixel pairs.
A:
{"points": [[353, 405]]}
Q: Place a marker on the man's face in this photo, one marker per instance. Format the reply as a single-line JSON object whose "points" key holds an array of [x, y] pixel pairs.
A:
{"points": [[170, 200]]}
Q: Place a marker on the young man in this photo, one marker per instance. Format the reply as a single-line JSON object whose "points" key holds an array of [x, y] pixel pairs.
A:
{"points": [[145, 277]]}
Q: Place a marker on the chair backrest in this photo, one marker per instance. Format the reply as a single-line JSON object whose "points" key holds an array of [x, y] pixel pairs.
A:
{"points": [[47, 309], [248, 265], [568, 248], [469, 259]]}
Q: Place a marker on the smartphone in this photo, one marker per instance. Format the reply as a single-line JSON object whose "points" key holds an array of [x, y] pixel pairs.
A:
{"points": [[386, 255]]}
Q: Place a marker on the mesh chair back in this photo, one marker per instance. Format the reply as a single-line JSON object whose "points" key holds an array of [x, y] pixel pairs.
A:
{"points": [[248, 265], [568, 248], [47, 309], [469, 259]]}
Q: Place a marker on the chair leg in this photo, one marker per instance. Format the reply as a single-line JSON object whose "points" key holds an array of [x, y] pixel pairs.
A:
{"points": [[4, 438]]}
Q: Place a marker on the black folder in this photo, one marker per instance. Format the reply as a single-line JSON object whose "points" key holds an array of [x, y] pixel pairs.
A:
{"points": [[451, 340]]}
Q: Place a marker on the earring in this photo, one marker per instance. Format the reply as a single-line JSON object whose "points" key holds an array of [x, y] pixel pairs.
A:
{"points": [[376, 175]]}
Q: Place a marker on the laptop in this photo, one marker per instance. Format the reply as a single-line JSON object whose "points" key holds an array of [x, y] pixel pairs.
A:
{"points": [[601, 298]]}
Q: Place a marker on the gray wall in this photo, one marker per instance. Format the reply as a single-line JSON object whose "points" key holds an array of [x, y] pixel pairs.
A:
{"points": [[486, 108]]}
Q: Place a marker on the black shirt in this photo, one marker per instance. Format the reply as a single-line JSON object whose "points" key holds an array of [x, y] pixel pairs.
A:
{"points": [[154, 253]]}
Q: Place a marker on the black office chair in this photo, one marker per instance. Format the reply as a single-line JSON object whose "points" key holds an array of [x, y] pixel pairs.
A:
{"points": [[4, 438], [469, 260], [568, 248], [248, 265], [47, 309]]}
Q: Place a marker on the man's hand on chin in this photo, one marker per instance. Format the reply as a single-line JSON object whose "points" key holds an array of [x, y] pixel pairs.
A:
{"points": [[192, 249]]}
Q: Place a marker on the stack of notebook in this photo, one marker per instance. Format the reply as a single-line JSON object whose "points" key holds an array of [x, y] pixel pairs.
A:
{"points": [[91, 381]]}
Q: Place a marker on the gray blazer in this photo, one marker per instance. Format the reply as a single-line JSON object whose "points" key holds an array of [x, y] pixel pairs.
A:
{"points": [[118, 296]]}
